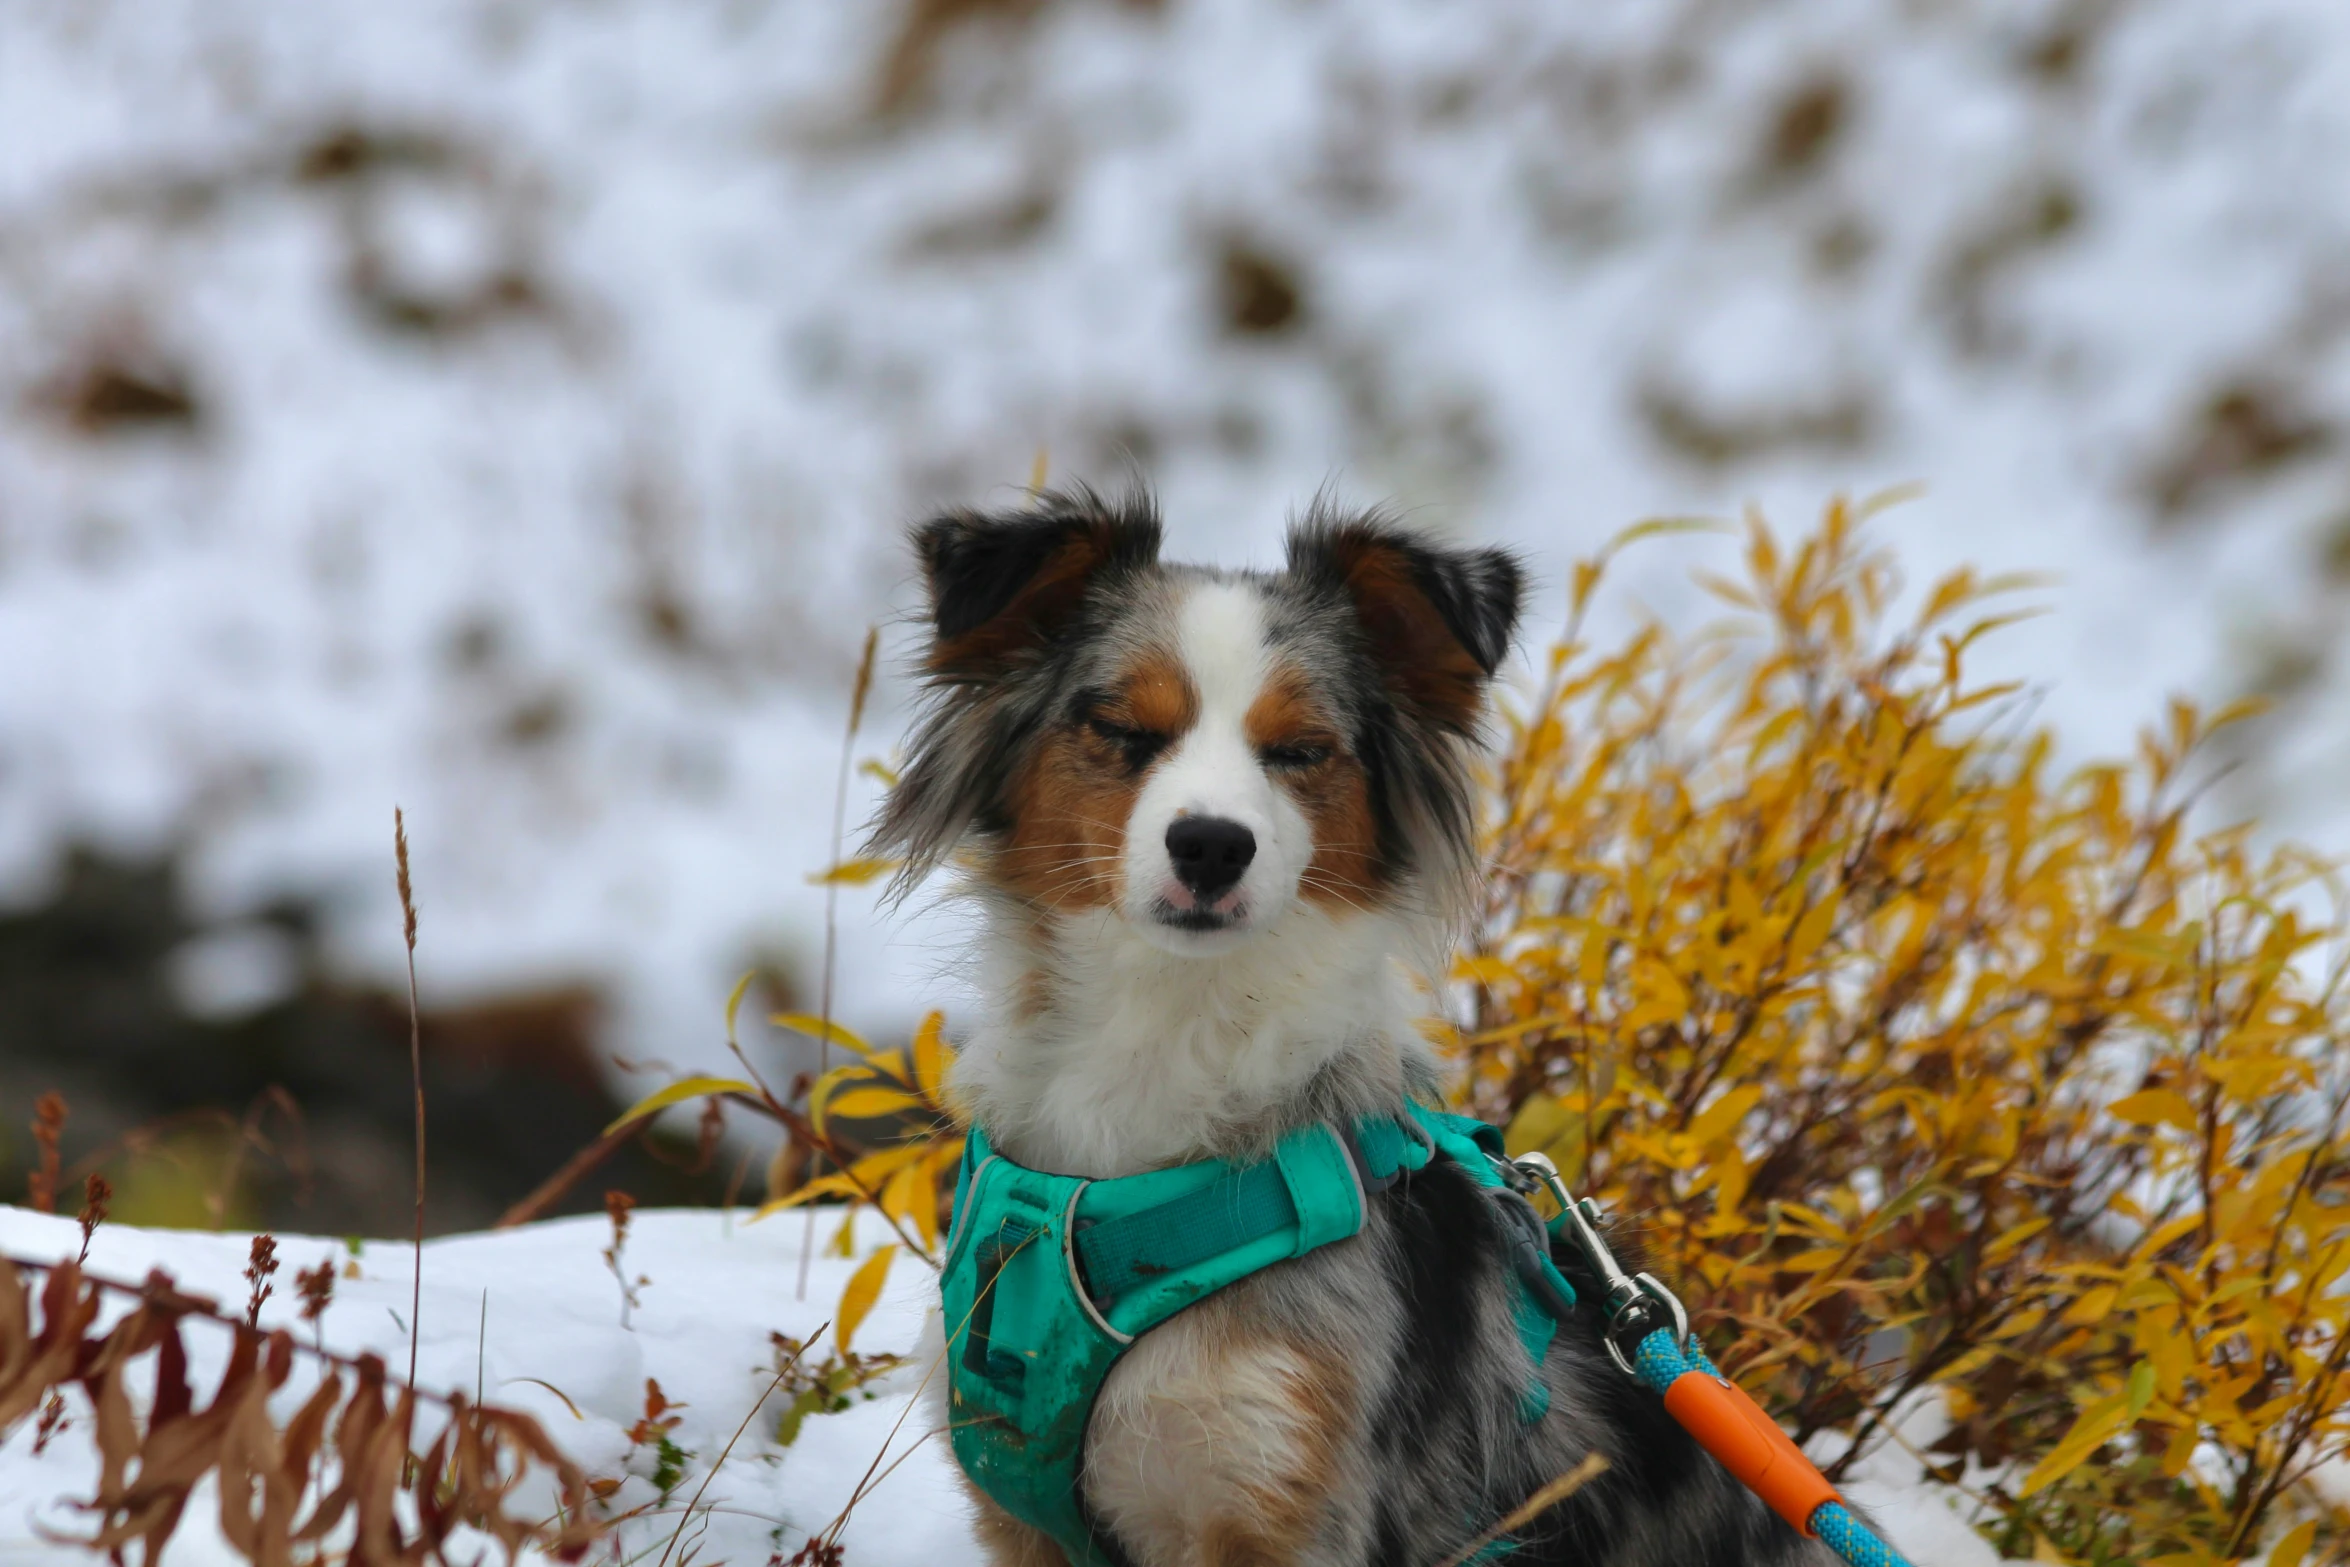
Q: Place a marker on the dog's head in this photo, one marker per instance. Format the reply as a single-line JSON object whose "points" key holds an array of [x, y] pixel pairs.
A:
{"points": [[1199, 751]]}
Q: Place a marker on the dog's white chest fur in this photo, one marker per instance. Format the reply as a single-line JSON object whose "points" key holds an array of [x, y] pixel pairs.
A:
{"points": [[1147, 1059]]}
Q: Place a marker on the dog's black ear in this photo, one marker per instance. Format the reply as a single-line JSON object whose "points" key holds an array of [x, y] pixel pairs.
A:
{"points": [[1436, 620], [1002, 584]]}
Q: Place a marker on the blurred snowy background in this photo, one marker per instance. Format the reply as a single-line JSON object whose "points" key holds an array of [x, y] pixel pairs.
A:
{"points": [[511, 409]]}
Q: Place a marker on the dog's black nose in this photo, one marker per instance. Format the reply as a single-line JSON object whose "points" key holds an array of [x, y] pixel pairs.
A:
{"points": [[1210, 854]]}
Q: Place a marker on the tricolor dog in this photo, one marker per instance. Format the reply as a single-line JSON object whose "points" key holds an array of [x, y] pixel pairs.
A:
{"points": [[1213, 820]]}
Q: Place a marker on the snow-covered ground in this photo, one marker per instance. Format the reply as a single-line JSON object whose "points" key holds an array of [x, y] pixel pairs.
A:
{"points": [[520, 1312], [508, 408]]}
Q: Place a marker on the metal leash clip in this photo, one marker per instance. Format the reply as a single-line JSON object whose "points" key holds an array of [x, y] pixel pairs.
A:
{"points": [[1637, 1303]]}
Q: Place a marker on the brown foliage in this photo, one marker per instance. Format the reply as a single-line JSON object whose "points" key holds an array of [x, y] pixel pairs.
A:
{"points": [[339, 1474], [48, 1130]]}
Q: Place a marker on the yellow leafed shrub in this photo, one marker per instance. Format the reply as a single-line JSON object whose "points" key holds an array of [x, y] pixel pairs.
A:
{"points": [[1918, 1062]]}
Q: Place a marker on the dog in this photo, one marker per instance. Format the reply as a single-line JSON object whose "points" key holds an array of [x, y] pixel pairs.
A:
{"points": [[1211, 820]]}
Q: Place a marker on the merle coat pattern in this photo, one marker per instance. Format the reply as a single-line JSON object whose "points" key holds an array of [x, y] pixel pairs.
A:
{"points": [[1212, 821]]}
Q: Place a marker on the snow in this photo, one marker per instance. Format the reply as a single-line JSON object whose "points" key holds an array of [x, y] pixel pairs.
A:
{"points": [[514, 1310], [581, 583], [522, 1313]]}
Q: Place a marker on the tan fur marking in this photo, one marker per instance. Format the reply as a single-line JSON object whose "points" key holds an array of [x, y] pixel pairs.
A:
{"points": [[1007, 1541], [1221, 1445], [1156, 695], [1070, 803], [1271, 1526], [1333, 795], [1425, 664], [1028, 620]]}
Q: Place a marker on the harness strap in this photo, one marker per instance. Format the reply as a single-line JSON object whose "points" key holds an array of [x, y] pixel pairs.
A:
{"points": [[1048, 1278], [1310, 1187]]}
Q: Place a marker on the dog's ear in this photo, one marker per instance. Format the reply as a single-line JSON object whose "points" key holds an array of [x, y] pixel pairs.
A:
{"points": [[1004, 589], [1005, 584], [1436, 620]]}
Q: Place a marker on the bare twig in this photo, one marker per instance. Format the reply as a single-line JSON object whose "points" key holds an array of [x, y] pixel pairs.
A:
{"points": [[840, 816], [749, 1415], [618, 1206], [575, 1169], [415, 1079], [1594, 1465], [581, 1164]]}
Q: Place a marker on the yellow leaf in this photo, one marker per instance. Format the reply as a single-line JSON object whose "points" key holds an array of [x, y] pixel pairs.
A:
{"points": [[821, 1091], [1663, 998], [2095, 1427], [734, 1001], [2092, 1307], [1810, 933], [1811, 1261], [2152, 1106], [864, 1288], [884, 1162], [1586, 579], [855, 873], [2294, 1545], [818, 1028], [930, 1056], [1948, 594], [2015, 1235], [1485, 971], [1538, 1123], [834, 1185], [912, 1195], [863, 1104], [1720, 1119], [679, 1092]]}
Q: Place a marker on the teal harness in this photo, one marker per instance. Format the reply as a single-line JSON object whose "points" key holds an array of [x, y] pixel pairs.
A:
{"points": [[1050, 1278]]}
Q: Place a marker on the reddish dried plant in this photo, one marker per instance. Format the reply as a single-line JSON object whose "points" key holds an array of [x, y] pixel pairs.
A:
{"points": [[96, 1194], [260, 1268], [342, 1469], [316, 1286], [618, 1206], [53, 1420], [48, 1131]]}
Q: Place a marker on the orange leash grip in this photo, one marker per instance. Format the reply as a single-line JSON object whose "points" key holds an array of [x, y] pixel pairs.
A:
{"points": [[1750, 1445]]}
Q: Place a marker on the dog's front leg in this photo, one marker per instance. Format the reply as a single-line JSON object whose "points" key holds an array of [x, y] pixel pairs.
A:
{"points": [[1007, 1541], [1211, 1447]]}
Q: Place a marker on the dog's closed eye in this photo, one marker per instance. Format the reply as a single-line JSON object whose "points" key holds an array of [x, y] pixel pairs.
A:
{"points": [[1135, 745], [1295, 755]]}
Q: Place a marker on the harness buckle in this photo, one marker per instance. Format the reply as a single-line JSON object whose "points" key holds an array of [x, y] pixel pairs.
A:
{"points": [[1637, 1303]]}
